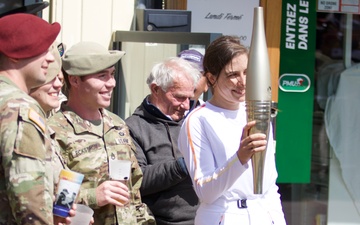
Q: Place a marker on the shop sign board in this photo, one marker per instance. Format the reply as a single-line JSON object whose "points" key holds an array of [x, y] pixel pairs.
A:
{"points": [[339, 6], [294, 119], [229, 17]]}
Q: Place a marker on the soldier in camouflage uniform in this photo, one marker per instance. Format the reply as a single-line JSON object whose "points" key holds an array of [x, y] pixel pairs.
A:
{"points": [[90, 136], [26, 179], [47, 95]]}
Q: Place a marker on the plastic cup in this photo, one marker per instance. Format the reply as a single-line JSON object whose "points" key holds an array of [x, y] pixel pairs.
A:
{"points": [[82, 216], [120, 170], [67, 190]]}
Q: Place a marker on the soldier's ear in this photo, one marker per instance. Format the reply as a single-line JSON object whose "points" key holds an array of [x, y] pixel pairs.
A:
{"points": [[74, 80]]}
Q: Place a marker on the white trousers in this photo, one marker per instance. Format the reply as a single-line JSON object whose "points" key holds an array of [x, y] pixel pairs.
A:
{"points": [[228, 213]]}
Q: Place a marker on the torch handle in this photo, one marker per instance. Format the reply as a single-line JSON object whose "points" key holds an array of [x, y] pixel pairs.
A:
{"points": [[260, 111]]}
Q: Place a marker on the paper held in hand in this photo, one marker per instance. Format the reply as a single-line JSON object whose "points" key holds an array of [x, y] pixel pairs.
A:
{"points": [[119, 169]]}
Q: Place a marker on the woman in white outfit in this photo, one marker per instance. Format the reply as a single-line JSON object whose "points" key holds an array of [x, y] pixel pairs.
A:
{"points": [[217, 148]]}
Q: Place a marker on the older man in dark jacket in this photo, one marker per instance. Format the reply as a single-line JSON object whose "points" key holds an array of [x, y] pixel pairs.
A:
{"points": [[166, 188]]}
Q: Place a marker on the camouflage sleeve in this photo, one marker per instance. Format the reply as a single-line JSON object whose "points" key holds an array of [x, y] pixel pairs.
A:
{"points": [[87, 196], [24, 161], [136, 179]]}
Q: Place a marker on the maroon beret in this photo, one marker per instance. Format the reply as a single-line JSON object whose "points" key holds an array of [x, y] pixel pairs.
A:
{"points": [[24, 35]]}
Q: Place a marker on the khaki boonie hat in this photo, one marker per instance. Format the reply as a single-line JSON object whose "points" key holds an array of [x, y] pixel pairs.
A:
{"points": [[54, 67], [87, 58]]}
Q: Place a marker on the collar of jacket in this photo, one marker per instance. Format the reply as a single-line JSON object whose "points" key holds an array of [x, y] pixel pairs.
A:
{"points": [[80, 125], [153, 110]]}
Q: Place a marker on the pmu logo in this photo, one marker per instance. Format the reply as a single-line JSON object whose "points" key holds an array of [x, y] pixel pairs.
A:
{"points": [[290, 82]]}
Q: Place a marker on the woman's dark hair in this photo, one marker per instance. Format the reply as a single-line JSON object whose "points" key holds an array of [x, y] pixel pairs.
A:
{"points": [[221, 52]]}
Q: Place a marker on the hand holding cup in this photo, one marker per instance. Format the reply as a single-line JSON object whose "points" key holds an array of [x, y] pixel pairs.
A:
{"points": [[115, 191]]}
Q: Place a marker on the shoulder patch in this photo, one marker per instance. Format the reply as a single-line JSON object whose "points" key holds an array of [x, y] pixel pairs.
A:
{"points": [[37, 119]]}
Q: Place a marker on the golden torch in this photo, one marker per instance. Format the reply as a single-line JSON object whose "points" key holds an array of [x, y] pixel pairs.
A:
{"points": [[258, 93]]}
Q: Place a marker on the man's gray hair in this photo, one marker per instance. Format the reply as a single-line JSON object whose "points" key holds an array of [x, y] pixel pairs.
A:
{"points": [[164, 73]]}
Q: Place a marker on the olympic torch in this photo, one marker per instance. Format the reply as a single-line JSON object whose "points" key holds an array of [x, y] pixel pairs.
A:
{"points": [[258, 93]]}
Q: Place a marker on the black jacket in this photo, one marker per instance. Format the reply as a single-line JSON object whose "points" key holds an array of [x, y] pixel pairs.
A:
{"points": [[166, 188]]}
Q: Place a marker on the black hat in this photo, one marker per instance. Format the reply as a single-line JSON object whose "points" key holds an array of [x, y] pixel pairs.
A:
{"points": [[31, 9]]}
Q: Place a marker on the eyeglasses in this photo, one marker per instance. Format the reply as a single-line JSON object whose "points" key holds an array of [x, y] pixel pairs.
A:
{"points": [[61, 49]]}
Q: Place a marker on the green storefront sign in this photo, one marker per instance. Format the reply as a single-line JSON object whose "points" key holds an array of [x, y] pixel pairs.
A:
{"points": [[296, 91]]}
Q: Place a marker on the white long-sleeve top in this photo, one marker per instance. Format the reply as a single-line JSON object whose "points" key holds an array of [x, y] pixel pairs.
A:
{"points": [[209, 140]]}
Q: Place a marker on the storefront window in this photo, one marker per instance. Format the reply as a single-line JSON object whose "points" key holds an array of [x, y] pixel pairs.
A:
{"points": [[333, 161]]}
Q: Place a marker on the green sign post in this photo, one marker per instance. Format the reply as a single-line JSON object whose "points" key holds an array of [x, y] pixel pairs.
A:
{"points": [[296, 91]]}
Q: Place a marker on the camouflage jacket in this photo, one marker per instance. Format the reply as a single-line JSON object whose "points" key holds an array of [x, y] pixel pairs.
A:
{"points": [[87, 150], [26, 178], [57, 160]]}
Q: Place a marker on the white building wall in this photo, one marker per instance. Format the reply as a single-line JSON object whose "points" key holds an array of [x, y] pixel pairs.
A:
{"points": [[90, 20]]}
